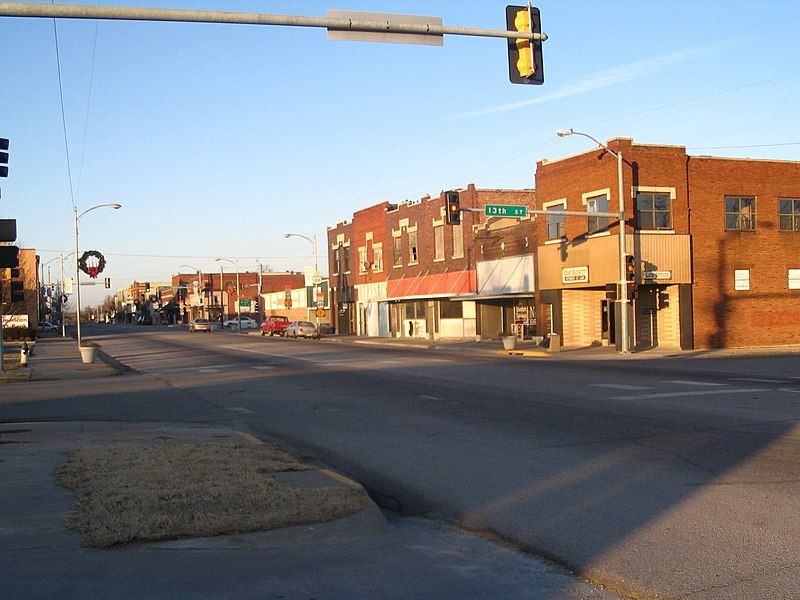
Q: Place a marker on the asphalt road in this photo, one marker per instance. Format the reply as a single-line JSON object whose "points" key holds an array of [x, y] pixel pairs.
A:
{"points": [[670, 478]]}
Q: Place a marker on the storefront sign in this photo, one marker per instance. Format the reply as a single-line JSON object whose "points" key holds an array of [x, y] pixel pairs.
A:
{"points": [[575, 275], [15, 321], [741, 279]]}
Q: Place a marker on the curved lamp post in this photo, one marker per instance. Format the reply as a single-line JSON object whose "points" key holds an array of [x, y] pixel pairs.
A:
{"points": [[77, 217], [623, 284], [313, 242], [238, 292], [199, 282]]}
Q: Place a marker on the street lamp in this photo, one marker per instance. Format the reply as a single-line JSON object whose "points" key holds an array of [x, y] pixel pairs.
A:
{"points": [[317, 278], [238, 291], [78, 217], [199, 284], [623, 283], [260, 276]]}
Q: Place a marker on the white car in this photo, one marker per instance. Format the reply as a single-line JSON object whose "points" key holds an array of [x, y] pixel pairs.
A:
{"points": [[247, 323], [45, 326]]}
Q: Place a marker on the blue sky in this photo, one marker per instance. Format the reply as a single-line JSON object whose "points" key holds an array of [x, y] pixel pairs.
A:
{"points": [[217, 139]]}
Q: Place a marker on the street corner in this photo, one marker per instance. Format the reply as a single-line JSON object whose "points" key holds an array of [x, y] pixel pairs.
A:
{"points": [[526, 353]]}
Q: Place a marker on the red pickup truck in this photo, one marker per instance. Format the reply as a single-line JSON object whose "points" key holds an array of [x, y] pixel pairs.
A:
{"points": [[275, 325]]}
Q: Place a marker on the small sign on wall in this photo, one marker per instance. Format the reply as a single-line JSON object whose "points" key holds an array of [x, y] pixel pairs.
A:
{"points": [[575, 275], [794, 279], [741, 279]]}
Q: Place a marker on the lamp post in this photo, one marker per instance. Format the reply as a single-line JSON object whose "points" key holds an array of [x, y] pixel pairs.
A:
{"points": [[78, 217], [199, 284], [623, 284], [260, 276], [316, 279], [238, 292]]}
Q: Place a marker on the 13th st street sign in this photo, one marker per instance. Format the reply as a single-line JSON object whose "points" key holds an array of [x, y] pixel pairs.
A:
{"points": [[505, 210]]}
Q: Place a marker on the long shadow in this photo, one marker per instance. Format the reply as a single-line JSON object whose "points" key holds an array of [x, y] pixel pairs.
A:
{"points": [[651, 500]]}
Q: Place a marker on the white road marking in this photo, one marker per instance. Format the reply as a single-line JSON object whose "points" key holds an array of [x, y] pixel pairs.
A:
{"points": [[208, 370], [619, 386], [794, 391], [262, 367], [430, 397], [684, 394], [757, 380], [239, 409], [702, 383]]}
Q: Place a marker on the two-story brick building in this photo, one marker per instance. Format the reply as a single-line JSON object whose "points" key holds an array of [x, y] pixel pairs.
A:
{"points": [[715, 242]]}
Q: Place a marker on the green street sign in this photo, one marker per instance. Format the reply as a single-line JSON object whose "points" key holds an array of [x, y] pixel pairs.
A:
{"points": [[244, 302], [505, 210]]}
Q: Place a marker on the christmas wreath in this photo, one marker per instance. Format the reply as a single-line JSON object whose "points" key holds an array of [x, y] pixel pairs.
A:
{"points": [[92, 263]]}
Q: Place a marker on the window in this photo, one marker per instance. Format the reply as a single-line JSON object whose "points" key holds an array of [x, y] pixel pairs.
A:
{"points": [[597, 204], [794, 279], [398, 252], [415, 310], [377, 258], [653, 210], [451, 310], [740, 213], [789, 214], [556, 224], [412, 247], [438, 243], [336, 258], [363, 263], [346, 259], [458, 240]]}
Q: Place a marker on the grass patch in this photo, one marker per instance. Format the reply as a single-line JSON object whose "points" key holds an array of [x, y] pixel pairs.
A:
{"points": [[129, 494]]}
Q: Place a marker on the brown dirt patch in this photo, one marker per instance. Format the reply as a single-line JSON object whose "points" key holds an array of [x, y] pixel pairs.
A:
{"points": [[156, 492]]}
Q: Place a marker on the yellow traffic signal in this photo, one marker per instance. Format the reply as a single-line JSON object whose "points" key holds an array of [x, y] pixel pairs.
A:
{"points": [[452, 205], [525, 63]]}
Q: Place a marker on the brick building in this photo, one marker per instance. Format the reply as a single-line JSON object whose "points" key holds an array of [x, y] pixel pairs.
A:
{"points": [[715, 244], [398, 270]]}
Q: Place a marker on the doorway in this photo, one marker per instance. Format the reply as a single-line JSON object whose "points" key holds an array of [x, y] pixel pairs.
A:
{"points": [[607, 321]]}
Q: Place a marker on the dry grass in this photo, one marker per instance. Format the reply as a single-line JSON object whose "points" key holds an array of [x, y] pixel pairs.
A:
{"points": [[155, 492]]}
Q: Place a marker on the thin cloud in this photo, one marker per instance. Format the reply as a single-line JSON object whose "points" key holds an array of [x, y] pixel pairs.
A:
{"points": [[604, 79]]}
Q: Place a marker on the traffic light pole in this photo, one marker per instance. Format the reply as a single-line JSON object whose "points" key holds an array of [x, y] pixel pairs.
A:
{"points": [[124, 13]]}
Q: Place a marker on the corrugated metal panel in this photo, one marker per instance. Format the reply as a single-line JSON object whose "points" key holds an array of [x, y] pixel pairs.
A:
{"points": [[582, 317]]}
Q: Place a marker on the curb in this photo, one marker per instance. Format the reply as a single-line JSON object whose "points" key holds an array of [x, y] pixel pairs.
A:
{"points": [[536, 353]]}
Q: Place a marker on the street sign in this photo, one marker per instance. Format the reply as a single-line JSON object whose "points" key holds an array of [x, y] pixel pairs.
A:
{"points": [[505, 210], [288, 303], [320, 312]]}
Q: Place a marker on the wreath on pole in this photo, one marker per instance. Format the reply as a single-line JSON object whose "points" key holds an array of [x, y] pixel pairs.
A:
{"points": [[92, 263]]}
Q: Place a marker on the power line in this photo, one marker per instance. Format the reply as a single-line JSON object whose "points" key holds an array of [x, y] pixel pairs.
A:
{"points": [[63, 115], [739, 147]]}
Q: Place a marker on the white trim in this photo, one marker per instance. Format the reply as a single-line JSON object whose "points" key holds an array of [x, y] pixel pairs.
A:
{"points": [[605, 192], [653, 189], [560, 240], [656, 231], [596, 234], [546, 205]]}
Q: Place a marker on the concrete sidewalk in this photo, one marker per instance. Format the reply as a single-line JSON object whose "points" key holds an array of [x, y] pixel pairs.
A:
{"points": [[367, 555]]}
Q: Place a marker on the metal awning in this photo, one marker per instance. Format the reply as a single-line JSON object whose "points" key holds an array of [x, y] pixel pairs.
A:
{"points": [[479, 297]]}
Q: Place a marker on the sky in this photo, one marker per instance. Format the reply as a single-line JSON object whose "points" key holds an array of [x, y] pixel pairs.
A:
{"points": [[218, 139]]}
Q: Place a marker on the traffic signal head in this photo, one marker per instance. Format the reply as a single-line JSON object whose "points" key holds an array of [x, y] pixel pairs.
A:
{"points": [[452, 208], [4, 157], [525, 64], [107, 282], [9, 257], [630, 267]]}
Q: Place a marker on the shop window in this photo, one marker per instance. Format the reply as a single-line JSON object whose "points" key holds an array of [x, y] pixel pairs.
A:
{"points": [[789, 214], [413, 255], [740, 213], [377, 258], [556, 224], [597, 204], [363, 263], [653, 210], [451, 310], [415, 310], [347, 259]]}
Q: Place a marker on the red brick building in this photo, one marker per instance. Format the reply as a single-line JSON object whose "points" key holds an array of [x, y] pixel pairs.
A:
{"points": [[399, 270], [716, 243]]}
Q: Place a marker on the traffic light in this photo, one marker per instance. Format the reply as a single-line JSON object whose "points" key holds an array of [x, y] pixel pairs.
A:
{"points": [[452, 208], [17, 287], [525, 64], [630, 267], [255, 305], [107, 282], [9, 257], [3, 157]]}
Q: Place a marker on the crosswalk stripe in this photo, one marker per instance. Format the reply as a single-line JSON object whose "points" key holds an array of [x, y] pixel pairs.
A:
{"points": [[619, 386], [698, 383]]}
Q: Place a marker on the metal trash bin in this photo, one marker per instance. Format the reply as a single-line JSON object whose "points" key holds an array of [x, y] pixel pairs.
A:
{"points": [[555, 342]]}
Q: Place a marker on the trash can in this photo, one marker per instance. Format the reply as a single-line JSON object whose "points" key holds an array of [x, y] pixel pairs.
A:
{"points": [[509, 342], [555, 342], [88, 354]]}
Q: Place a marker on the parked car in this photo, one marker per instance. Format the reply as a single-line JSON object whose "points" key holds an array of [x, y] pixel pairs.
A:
{"points": [[275, 325], [200, 325], [247, 323], [302, 329], [45, 326]]}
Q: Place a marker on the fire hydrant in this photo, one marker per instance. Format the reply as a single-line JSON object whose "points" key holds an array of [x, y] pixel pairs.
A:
{"points": [[24, 352]]}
